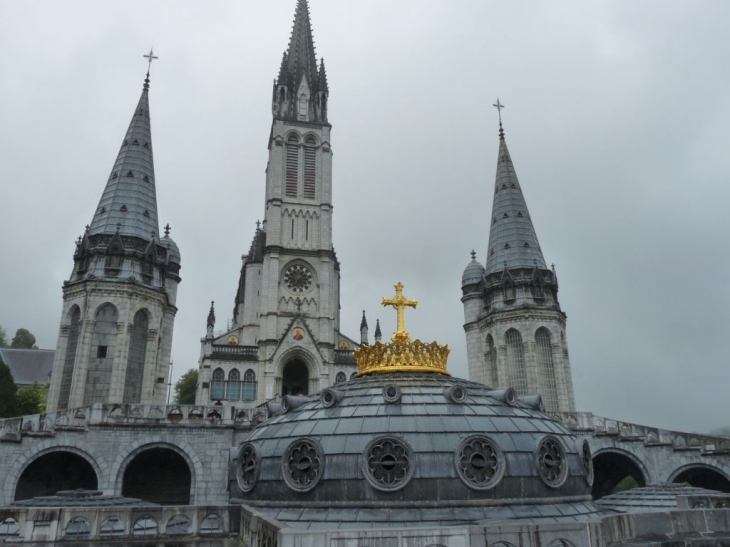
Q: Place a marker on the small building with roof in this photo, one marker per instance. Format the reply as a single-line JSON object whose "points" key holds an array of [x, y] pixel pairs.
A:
{"points": [[28, 365]]}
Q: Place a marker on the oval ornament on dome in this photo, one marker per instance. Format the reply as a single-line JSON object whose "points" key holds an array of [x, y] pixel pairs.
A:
{"points": [[388, 463], [479, 462], [552, 465], [391, 394], [248, 467], [302, 465], [586, 460]]}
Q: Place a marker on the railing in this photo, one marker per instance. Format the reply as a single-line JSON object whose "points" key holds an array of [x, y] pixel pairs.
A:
{"points": [[345, 356], [235, 353], [258, 530]]}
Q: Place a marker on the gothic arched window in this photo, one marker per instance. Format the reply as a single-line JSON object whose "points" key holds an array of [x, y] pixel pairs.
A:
{"points": [[492, 360], [249, 385], [546, 369], [70, 358], [341, 377], [310, 167], [233, 390], [516, 370], [292, 165], [217, 383], [137, 358]]}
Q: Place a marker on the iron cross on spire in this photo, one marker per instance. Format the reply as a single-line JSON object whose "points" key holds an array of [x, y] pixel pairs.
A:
{"points": [[150, 57], [499, 106], [400, 302]]}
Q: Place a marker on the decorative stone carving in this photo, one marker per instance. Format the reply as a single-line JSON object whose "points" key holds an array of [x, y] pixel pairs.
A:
{"points": [[552, 466], [586, 460], [388, 463], [302, 465], [391, 394], [479, 462]]}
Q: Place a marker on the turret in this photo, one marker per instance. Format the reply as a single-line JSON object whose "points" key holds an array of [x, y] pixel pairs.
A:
{"points": [[363, 329]]}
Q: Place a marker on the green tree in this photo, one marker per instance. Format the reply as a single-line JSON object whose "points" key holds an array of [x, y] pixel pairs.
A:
{"points": [[185, 388], [7, 392], [23, 339], [31, 399], [3, 337]]}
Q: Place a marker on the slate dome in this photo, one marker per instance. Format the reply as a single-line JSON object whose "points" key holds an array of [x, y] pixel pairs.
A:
{"points": [[413, 448], [473, 273], [173, 252]]}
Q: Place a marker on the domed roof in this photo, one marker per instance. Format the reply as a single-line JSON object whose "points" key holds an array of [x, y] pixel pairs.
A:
{"points": [[413, 449], [173, 252], [473, 273], [655, 497]]}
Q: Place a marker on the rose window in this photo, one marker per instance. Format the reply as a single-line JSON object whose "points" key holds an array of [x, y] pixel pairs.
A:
{"points": [[247, 468], [389, 463], [480, 462], [303, 465], [298, 279], [551, 462]]}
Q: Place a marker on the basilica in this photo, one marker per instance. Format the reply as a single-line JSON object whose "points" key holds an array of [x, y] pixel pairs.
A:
{"points": [[301, 435]]}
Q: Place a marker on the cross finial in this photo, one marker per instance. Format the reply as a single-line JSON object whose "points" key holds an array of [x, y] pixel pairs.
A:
{"points": [[87, 228], [167, 229], [258, 224], [499, 106], [400, 302], [473, 254], [150, 57]]}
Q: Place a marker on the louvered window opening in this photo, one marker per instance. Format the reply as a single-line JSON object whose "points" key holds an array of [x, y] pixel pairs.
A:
{"points": [[516, 370], [546, 370], [310, 171], [292, 169], [70, 360]]}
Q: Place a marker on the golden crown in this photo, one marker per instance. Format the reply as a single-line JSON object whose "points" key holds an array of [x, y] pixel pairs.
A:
{"points": [[402, 354]]}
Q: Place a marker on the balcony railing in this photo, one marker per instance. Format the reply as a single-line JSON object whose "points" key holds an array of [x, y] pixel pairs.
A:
{"points": [[345, 357], [235, 353]]}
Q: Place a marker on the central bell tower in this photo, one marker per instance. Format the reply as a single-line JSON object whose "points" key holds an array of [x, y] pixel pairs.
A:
{"points": [[287, 306]]}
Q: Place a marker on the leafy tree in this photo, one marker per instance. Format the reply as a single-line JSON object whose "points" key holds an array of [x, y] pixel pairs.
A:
{"points": [[185, 388], [627, 483], [7, 391], [3, 338], [31, 399], [23, 339]]}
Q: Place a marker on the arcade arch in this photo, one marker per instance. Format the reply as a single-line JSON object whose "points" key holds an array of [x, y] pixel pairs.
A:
{"points": [[701, 476], [53, 471], [158, 473], [613, 466]]}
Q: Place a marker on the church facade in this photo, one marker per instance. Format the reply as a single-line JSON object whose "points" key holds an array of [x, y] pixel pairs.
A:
{"points": [[285, 334]]}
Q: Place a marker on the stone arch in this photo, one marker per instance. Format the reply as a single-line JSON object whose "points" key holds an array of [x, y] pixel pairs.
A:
{"points": [[611, 466], [701, 475], [301, 355], [308, 137], [34, 453], [293, 137], [131, 451]]}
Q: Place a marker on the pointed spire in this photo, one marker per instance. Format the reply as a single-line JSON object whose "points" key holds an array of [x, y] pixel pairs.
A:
{"points": [[282, 79], [323, 85], [364, 321], [211, 316], [512, 237], [128, 204], [378, 333], [301, 59]]}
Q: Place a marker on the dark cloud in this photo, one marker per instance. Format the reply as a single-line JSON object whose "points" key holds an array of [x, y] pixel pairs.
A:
{"points": [[617, 119]]}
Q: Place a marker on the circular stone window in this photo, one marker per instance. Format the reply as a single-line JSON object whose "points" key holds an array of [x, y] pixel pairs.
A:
{"points": [[586, 459], [298, 279], [479, 462], [388, 463], [302, 465], [391, 393], [248, 467], [551, 462]]}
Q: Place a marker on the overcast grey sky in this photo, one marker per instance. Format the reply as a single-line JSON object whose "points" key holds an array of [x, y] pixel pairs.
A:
{"points": [[617, 118]]}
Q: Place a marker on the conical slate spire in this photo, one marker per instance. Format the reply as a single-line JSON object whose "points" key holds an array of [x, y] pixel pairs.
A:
{"points": [[323, 86], [129, 201], [512, 238], [300, 57], [364, 321]]}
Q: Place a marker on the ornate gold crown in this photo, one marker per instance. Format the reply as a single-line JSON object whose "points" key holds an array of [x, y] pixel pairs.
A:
{"points": [[402, 354]]}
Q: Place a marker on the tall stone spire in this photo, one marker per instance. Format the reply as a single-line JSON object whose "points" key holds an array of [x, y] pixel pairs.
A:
{"points": [[129, 201], [512, 238], [300, 57]]}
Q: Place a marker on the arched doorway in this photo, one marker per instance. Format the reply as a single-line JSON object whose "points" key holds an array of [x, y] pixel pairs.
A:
{"points": [[55, 471], [159, 475], [703, 477], [295, 378], [614, 472]]}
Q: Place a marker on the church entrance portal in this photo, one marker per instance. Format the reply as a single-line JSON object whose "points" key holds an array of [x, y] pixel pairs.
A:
{"points": [[56, 471], [613, 468], [295, 380], [159, 475], [703, 477]]}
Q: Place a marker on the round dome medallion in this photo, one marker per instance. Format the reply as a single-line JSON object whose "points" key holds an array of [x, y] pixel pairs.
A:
{"points": [[389, 463], [302, 465], [586, 459], [248, 467], [551, 462], [479, 462], [298, 279]]}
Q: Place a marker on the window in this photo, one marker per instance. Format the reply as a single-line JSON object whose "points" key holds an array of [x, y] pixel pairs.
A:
{"points": [[78, 527], [341, 377], [249, 385], [303, 106], [216, 386], [492, 360], [516, 362], [546, 370], [101, 352], [136, 359], [292, 166], [310, 167], [233, 389], [145, 526]]}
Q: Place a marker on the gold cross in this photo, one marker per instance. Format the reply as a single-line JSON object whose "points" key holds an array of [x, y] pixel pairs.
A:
{"points": [[400, 302]]}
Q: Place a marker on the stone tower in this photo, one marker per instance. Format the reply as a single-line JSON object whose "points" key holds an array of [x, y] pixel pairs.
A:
{"points": [[284, 337], [515, 329], [119, 302]]}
